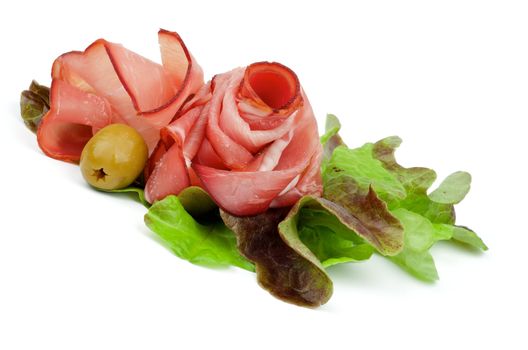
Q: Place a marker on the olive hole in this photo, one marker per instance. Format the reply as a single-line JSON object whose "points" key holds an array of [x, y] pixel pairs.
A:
{"points": [[99, 174]]}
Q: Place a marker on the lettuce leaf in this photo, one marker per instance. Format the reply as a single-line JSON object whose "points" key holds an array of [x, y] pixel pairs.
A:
{"points": [[419, 237], [350, 198], [198, 203], [290, 251], [365, 170], [34, 104], [460, 234], [331, 139], [362, 212], [453, 189], [465, 235], [331, 249], [330, 240], [426, 218], [416, 182], [284, 265], [212, 245]]}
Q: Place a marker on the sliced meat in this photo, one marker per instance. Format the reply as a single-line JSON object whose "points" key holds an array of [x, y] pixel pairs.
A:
{"points": [[70, 122], [139, 92], [243, 193], [250, 139], [170, 175]]}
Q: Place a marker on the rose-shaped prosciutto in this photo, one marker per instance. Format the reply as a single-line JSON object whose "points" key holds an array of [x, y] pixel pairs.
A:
{"points": [[248, 137], [109, 84]]}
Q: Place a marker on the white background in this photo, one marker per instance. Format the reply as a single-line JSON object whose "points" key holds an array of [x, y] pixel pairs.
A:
{"points": [[79, 270]]}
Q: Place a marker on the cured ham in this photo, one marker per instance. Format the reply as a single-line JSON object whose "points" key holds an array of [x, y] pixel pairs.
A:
{"points": [[109, 84], [249, 138]]}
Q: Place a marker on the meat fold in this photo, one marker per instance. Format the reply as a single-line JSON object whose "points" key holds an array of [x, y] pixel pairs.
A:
{"points": [[106, 83]]}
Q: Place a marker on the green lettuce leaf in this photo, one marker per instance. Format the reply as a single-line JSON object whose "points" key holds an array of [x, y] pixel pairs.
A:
{"points": [[284, 265], [331, 249], [331, 139], [198, 203], [419, 237], [467, 236], [453, 189], [419, 264], [330, 240], [332, 127], [212, 245], [365, 170], [460, 234]]}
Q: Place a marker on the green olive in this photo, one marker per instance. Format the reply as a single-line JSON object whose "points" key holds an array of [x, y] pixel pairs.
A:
{"points": [[114, 157]]}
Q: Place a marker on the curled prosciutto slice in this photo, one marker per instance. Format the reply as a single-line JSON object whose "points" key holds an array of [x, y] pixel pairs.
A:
{"points": [[109, 84], [249, 138]]}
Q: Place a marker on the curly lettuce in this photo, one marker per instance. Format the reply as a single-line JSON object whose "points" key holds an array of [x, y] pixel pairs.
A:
{"points": [[426, 217]]}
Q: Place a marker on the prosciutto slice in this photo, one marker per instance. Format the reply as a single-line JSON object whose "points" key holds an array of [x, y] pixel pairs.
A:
{"points": [[109, 84], [249, 138]]}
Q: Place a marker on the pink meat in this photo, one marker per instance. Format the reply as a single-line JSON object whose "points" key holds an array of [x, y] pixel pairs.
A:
{"points": [[132, 89], [249, 139], [64, 132]]}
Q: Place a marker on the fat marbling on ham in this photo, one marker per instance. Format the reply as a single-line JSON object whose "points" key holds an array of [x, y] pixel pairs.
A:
{"points": [[109, 84], [248, 137]]}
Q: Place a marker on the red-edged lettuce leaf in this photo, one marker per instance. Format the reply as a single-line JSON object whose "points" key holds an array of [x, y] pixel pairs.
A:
{"points": [[290, 249], [343, 226], [416, 182], [362, 212], [284, 265], [438, 206], [34, 104], [349, 192], [426, 218]]}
